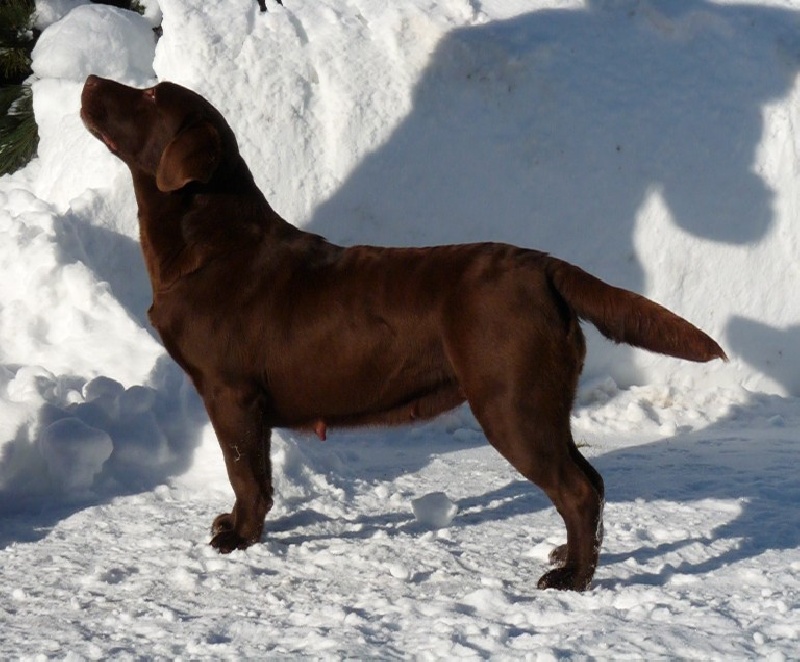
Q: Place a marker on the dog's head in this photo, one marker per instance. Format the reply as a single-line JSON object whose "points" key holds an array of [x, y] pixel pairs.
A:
{"points": [[165, 131]]}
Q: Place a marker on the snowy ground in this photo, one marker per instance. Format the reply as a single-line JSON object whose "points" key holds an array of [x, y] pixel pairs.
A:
{"points": [[654, 143]]}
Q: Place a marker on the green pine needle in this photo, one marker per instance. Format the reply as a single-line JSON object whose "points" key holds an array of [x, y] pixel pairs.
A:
{"points": [[19, 135]]}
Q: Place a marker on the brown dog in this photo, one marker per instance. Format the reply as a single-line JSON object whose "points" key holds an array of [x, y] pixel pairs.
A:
{"points": [[262, 4], [278, 327]]}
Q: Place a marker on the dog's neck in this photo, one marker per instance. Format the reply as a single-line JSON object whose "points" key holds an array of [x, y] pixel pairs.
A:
{"points": [[161, 239], [180, 231]]}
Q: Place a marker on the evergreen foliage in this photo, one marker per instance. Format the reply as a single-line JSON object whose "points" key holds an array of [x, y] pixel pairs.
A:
{"points": [[18, 135]]}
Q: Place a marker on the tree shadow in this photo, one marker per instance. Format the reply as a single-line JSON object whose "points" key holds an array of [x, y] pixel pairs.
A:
{"points": [[762, 346], [714, 464], [555, 126]]}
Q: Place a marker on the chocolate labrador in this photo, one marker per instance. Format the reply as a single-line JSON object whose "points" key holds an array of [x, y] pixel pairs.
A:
{"points": [[262, 4], [277, 327]]}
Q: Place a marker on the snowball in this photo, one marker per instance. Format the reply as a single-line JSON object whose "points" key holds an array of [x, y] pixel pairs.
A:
{"points": [[102, 387], [435, 510], [74, 452], [136, 400], [31, 383], [141, 445]]}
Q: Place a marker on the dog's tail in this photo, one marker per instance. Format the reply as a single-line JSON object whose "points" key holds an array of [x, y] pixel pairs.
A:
{"points": [[626, 317]]}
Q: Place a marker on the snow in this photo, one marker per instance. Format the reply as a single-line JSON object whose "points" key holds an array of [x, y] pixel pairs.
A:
{"points": [[654, 143], [61, 51]]}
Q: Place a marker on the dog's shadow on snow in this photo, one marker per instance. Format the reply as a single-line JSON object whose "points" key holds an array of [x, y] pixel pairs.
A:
{"points": [[751, 481], [558, 124], [764, 346]]}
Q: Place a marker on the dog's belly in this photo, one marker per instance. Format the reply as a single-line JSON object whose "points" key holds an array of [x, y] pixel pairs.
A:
{"points": [[376, 388], [417, 407]]}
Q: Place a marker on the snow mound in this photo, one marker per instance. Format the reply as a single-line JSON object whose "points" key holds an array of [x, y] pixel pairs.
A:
{"points": [[79, 438], [67, 50], [90, 39], [74, 452]]}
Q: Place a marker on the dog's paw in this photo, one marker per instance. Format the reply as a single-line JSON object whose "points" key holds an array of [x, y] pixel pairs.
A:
{"points": [[226, 541], [565, 579], [558, 557], [222, 523], [225, 538]]}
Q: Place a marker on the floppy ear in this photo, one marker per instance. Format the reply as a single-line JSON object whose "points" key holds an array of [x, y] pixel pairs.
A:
{"points": [[192, 156]]}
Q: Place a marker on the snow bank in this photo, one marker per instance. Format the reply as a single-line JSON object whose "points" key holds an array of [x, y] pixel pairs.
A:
{"points": [[74, 295]]}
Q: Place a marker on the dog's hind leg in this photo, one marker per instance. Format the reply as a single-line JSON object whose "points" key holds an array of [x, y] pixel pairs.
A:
{"points": [[538, 446], [558, 556], [522, 399]]}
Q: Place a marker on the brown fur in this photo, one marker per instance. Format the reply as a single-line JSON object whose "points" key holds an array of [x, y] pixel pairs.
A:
{"points": [[262, 4], [280, 328]]}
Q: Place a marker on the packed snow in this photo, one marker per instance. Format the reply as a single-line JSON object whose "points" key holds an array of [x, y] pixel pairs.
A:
{"points": [[654, 143]]}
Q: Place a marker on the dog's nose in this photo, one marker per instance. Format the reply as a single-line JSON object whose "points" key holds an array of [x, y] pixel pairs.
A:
{"points": [[91, 80]]}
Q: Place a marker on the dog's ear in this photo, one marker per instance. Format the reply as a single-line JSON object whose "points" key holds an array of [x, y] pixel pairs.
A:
{"points": [[192, 156]]}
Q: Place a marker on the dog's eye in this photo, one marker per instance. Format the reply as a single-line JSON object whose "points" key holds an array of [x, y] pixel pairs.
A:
{"points": [[150, 94]]}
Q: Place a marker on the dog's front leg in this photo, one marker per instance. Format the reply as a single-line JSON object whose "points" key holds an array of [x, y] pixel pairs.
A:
{"points": [[244, 438]]}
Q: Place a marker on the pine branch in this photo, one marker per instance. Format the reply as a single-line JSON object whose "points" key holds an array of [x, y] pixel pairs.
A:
{"points": [[19, 136], [14, 63], [17, 38], [16, 21]]}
